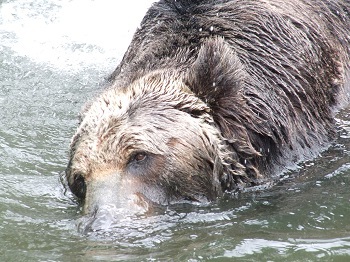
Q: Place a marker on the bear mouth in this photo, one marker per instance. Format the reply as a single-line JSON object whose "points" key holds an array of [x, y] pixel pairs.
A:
{"points": [[105, 217]]}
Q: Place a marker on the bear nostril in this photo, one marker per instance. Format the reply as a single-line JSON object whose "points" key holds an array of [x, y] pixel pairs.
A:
{"points": [[78, 187]]}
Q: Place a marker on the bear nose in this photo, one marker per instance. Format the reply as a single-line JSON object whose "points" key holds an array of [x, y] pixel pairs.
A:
{"points": [[108, 201], [102, 218]]}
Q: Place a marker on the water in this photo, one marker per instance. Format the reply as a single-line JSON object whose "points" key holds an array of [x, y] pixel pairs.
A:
{"points": [[54, 56]]}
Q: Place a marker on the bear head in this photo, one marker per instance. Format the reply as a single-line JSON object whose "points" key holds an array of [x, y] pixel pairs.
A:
{"points": [[163, 138]]}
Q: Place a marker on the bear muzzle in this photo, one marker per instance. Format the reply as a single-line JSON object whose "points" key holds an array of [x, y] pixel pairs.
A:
{"points": [[111, 198]]}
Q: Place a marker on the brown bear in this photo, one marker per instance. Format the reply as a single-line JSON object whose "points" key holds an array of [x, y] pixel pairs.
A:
{"points": [[211, 97]]}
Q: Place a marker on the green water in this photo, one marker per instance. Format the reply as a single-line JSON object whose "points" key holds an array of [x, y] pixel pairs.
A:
{"points": [[303, 218]]}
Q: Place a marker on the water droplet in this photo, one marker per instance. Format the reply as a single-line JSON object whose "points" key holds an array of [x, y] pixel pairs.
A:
{"points": [[200, 29], [211, 28]]}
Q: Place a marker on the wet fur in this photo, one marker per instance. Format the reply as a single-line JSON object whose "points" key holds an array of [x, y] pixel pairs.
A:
{"points": [[260, 79]]}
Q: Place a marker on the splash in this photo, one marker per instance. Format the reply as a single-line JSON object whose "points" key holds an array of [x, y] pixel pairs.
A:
{"points": [[70, 35]]}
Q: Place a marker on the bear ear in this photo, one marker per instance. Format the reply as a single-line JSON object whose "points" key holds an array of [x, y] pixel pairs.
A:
{"points": [[217, 74]]}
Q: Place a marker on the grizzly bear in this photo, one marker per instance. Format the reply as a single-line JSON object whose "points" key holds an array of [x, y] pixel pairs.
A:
{"points": [[212, 97]]}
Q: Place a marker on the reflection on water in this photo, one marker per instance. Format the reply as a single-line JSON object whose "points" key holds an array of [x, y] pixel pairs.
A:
{"points": [[54, 58]]}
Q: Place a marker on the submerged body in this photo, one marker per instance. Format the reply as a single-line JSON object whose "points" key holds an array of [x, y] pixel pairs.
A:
{"points": [[212, 96]]}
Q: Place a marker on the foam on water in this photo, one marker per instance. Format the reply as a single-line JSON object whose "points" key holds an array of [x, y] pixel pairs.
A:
{"points": [[70, 35]]}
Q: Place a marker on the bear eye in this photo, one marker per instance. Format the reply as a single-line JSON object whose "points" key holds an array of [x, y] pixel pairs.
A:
{"points": [[78, 187], [138, 157]]}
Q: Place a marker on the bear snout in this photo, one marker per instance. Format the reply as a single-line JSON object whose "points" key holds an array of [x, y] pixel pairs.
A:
{"points": [[109, 199]]}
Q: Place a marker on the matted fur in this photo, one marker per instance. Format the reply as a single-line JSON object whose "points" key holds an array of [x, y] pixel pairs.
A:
{"points": [[218, 95]]}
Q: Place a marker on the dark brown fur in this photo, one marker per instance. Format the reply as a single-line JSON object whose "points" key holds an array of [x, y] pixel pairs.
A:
{"points": [[217, 95]]}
